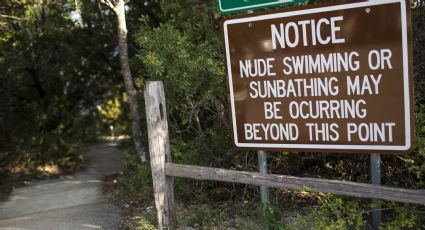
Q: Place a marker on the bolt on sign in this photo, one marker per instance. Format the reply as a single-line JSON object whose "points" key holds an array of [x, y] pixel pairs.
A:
{"points": [[333, 78], [232, 6]]}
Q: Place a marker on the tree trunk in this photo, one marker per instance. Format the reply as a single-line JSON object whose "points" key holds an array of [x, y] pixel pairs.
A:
{"points": [[128, 80]]}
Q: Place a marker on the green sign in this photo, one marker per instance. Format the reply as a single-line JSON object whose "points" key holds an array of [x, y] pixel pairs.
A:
{"points": [[231, 6]]}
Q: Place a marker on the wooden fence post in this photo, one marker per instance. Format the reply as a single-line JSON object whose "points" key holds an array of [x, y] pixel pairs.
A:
{"points": [[159, 150]]}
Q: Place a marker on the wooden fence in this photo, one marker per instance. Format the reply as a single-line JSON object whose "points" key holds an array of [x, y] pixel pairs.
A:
{"points": [[163, 170]]}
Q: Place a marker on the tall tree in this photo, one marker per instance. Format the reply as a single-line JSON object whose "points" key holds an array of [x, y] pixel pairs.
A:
{"points": [[118, 6]]}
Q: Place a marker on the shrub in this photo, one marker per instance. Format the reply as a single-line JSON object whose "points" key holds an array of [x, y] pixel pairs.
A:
{"points": [[136, 178]]}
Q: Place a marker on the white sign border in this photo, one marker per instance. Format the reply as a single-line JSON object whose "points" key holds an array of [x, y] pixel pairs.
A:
{"points": [[319, 10], [251, 6]]}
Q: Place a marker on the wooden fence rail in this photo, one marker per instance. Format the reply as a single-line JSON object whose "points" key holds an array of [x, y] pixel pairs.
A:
{"points": [[163, 170], [290, 182]]}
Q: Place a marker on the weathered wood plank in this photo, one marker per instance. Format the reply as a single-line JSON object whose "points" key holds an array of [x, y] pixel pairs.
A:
{"points": [[159, 151], [290, 182]]}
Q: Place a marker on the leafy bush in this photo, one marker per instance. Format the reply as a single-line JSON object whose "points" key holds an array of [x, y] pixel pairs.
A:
{"points": [[205, 216], [184, 51], [271, 217], [331, 213], [136, 178], [334, 212], [419, 157], [404, 217], [144, 224]]}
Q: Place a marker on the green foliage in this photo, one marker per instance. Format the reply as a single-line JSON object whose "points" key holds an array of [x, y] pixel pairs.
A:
{"points": [[56, 68], [419, 157], [331, 213], [144, 224], [418, 32], [271, 217], [186, 151], [409, 170], [190, 68], [205, 216], [183, 51], [402, 216], [70, 162], [334, 212], [136, 178]]}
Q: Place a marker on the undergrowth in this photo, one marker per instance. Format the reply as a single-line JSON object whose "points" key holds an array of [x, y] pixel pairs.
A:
{"points": [[216, 205]]}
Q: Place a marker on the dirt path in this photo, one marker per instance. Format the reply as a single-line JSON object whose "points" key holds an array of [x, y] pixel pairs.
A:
{"points": [[70, 203]]}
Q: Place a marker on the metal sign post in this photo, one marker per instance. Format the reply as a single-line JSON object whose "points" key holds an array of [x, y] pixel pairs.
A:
{"points": [[375, 171], [262, 167]]}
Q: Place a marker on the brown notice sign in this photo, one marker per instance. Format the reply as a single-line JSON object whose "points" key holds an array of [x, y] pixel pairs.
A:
{"points": [[335, 78]]}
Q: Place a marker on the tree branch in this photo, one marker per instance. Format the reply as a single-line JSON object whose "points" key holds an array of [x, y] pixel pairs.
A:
{"points": [[11, 17], [17, 2], [202, 137], [108, 3], [229, 156]]}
